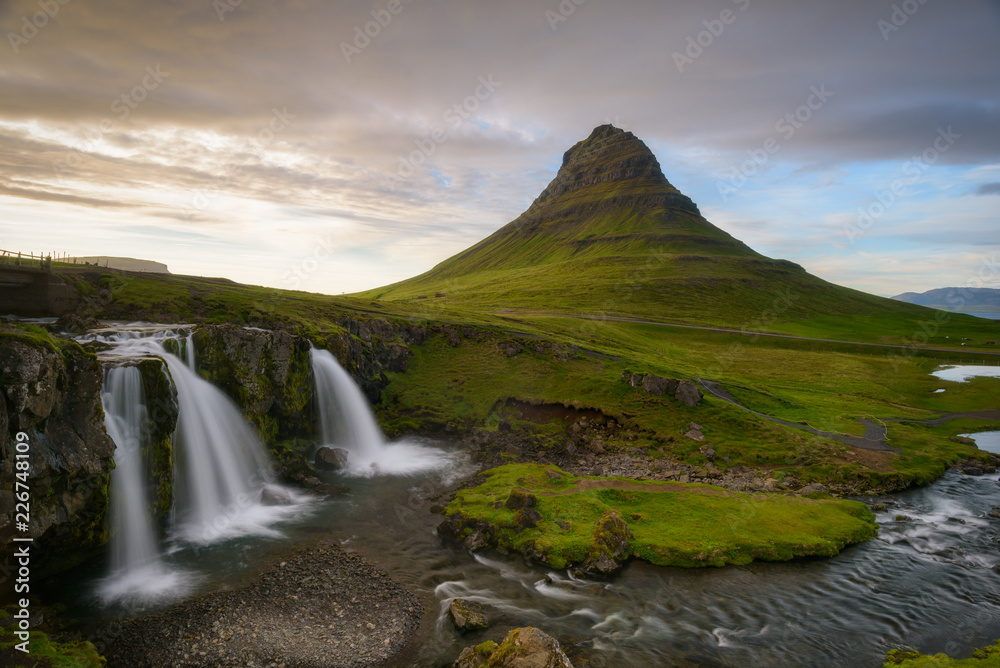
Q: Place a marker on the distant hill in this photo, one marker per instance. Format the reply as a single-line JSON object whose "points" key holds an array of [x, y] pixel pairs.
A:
{"points": [[610, 235], [958, 300], [124, 263]]}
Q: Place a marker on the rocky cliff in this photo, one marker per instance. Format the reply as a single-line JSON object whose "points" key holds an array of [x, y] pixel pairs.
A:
{"points": [[51, 392]]}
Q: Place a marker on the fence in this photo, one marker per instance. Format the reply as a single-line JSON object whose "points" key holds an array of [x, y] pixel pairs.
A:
{"points": [[26, 259]]}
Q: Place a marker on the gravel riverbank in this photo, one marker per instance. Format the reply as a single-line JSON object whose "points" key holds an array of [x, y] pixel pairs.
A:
{"points": [[321, 607]]}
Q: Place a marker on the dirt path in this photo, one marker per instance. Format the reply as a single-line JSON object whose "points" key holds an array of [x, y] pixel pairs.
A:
{"points": [[874, 438]]}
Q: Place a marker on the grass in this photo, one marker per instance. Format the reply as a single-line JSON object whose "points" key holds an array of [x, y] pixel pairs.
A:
{"points": [[45, 651], [986, 657], [673, 524], [829, 390]]}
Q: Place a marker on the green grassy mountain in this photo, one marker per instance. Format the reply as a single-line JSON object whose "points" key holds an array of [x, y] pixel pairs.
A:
{"points": [[611, 236]]}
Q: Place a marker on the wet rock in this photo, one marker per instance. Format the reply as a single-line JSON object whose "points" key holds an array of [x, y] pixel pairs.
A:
{"points": [[878, 507], [688, 393], [658, 385], [525, 647], [331, 459], [468, 615], [995, 512], [476, 541], [273, 495]]}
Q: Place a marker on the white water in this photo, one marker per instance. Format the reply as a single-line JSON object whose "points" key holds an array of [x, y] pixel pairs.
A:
{"points": [[347, 421], [961, 374], [220, 466], [137, 568]]}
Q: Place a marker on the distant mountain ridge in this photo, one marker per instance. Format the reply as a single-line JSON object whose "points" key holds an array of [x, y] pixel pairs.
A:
{"points": [[610, 235], [123, 263], [954, 299]]}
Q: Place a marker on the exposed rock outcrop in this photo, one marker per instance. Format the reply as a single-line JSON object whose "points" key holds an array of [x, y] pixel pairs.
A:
{"points": [[51, 393]]}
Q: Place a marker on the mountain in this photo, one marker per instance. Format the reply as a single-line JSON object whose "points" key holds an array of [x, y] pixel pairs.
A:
{"points": [[123, 263], [955, 299], [611, 236]]}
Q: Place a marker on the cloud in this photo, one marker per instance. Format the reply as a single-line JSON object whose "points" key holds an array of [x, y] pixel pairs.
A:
{"points": [[82, 124], [988, 189]]}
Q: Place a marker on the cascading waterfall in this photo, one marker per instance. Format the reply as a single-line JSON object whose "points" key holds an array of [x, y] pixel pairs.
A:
{"points": [[346, 421], [137, 568], [221, 467], [223, 486]]}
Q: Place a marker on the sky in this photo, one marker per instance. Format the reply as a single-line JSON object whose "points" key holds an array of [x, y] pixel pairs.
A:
{"points": [[340, 146]]}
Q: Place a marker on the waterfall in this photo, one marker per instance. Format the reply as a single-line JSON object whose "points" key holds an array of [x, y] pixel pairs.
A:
{"points": [[137, 568], [344, 415], [346, 421], [189, 350]]}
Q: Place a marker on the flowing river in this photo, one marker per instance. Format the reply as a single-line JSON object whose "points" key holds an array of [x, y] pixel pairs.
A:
{"points": [[930, 580], [927, 581]]}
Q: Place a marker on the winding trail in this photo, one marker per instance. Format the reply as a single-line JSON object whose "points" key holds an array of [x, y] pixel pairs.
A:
{"points": [[875, 433]]}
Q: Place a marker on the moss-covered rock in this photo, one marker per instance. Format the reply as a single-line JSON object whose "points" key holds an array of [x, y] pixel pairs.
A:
{"points": [[598, 523], [45, 650], [525, 647], [468, 615], [987, 657]]}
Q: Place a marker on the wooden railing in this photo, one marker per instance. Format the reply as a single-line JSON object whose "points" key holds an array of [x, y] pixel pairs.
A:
{"points": [[26, 259]]}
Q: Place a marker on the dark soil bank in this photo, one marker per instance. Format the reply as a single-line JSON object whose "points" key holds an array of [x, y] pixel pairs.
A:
{"points": [[321, 607]]}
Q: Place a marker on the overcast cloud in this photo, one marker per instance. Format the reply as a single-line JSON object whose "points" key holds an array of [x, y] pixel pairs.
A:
{"points": [[243, 138]]}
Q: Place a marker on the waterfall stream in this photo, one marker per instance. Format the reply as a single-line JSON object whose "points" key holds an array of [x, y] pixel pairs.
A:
{"points": [[137, 567], [347, 421], [223, 487]]}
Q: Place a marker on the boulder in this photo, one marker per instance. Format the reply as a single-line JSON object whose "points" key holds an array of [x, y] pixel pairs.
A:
{"points": [[635, 380], [468, 615], [525, 647], [709, 453], [688, 393], [520, 498], [695, 435], [611, 544], [476, 541], [657, 385], [331, 459], [272, 495]]}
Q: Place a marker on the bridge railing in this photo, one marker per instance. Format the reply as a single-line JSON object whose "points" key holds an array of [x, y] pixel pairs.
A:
{"points": [[18, 258]]}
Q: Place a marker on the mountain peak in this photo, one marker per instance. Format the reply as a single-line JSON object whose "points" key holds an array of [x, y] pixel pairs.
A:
{"points": [[611, 162]]}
